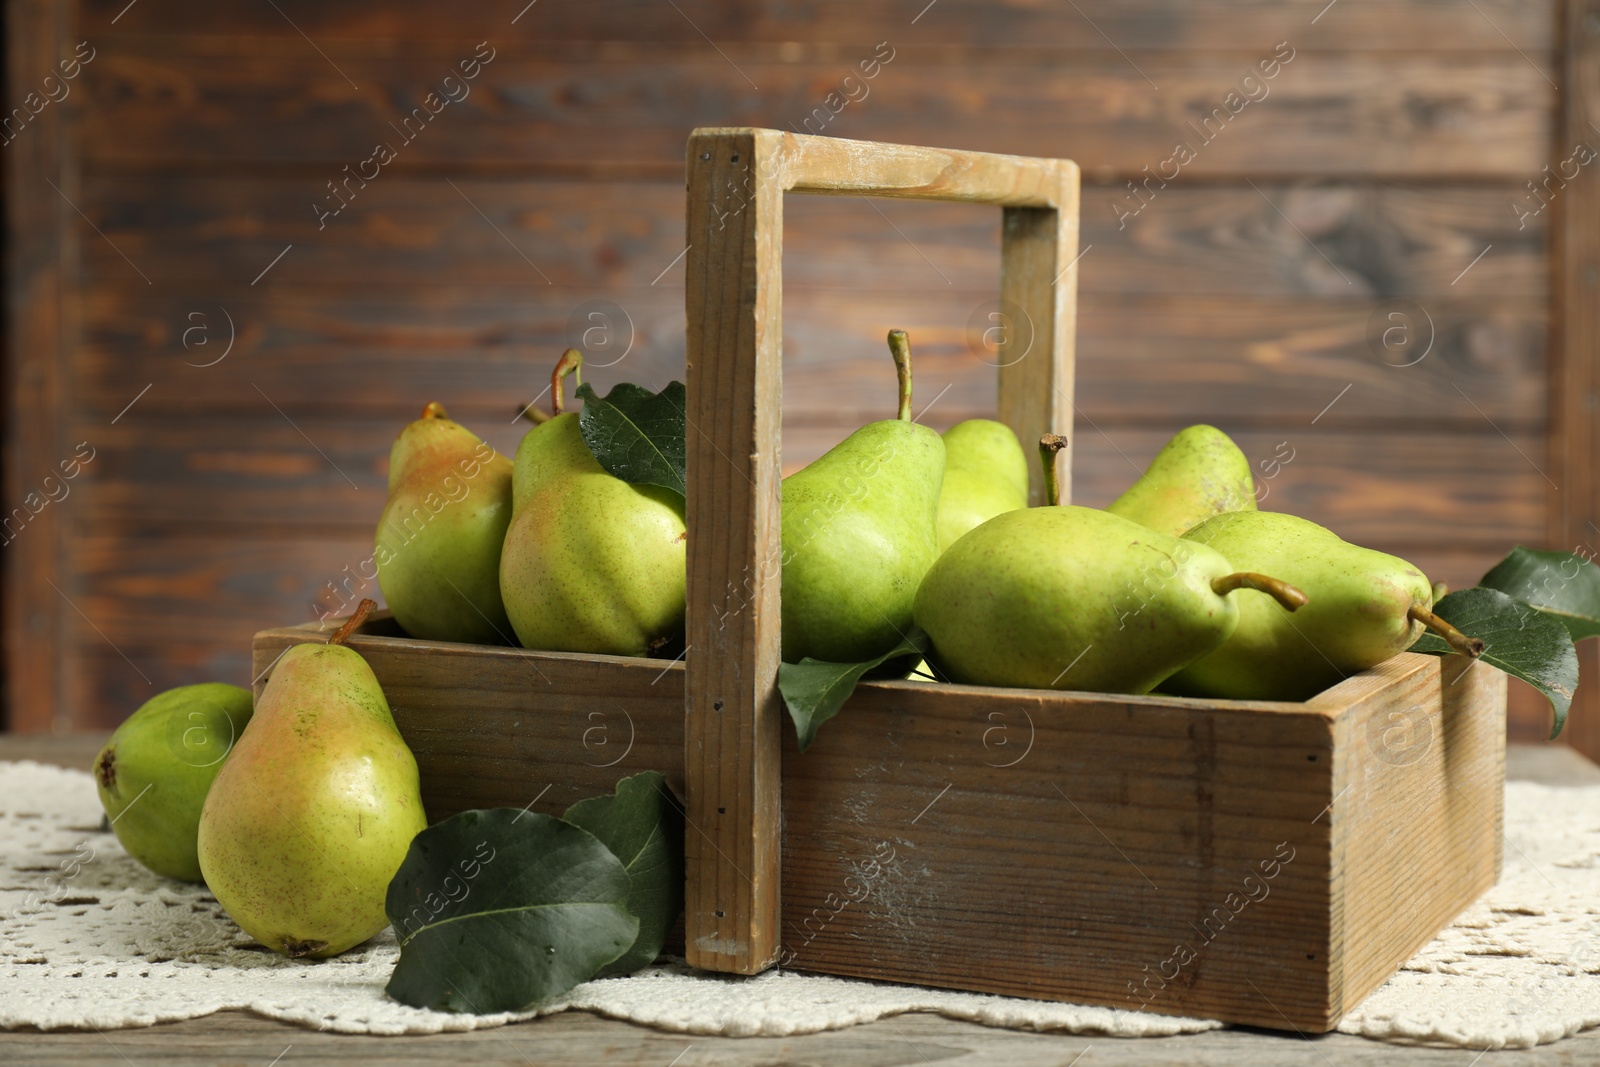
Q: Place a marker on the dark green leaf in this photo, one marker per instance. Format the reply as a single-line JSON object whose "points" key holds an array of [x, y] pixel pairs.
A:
{"points": [[499, 909], [643, 825], [814, 690], [1517, 639], [637, 435], [1560, 584]]}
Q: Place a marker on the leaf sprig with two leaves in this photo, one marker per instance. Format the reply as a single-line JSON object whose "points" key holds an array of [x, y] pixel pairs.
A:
{"points": [[1529, 610], [503, 908]]}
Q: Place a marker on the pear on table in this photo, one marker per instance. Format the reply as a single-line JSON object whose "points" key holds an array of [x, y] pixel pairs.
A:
{"points": [[438, 542], [591, 563], [313, 812], [1063, 597], [1365, 606], [859, 534], [155, 771], [985, 474], [1198, 474]]}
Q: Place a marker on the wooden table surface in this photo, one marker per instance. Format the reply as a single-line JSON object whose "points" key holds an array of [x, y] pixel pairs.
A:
{"points": [[576, 1038]]}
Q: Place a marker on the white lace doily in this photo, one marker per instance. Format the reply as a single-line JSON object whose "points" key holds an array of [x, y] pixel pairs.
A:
{"points": [[88, 937]]}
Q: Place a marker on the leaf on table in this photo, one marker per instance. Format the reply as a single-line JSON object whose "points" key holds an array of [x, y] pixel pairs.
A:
{"points": [[1516, 638], [637, 435], [1562, 585], [501, 908], [814, 690], [642, 824]]}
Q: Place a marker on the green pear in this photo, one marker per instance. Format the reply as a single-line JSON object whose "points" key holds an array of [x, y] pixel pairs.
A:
{"points": [[859, 534], [1198, 474], [438, 542], [1069, 597], [1365, 606], [314, 811], [985, 474], [154, 773], [591, 563]]}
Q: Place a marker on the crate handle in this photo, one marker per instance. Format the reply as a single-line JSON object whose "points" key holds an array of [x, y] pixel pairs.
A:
{"points": [[733, 298]]}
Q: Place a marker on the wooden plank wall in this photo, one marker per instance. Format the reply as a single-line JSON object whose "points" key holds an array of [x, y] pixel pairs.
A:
{"points": [[1372, 175]]}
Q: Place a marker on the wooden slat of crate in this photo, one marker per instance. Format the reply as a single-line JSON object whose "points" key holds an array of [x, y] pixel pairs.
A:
{"points": [[997, 877]]}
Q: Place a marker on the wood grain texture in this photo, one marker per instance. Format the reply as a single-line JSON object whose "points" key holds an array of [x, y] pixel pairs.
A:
{"points": [[733, 298], [506, 727], [213, 234], [1575, 372], [1417, 817], [815, 30], [40, 325], [1142, 361], [613, 107], [1138, 825]]}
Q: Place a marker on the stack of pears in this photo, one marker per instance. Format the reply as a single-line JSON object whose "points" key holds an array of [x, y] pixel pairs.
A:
{"points": [[438, 541], [1063, 597], [313, 811], [859, 533], [1365, 607], [590, 563]]}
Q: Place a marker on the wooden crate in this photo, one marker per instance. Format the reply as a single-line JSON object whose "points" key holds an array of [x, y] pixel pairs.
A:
{"points": [[1264, 863]]}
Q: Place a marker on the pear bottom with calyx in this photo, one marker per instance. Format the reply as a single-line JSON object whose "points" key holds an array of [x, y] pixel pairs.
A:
{"points": [[1364, 608], [315, 809], [155, 771], [1197, 474], [1073, 598]]}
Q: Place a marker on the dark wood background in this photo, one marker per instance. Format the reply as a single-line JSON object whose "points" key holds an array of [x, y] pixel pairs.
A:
{"points": [[231, 497]]}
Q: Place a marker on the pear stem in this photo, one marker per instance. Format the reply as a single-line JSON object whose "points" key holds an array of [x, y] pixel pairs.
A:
{"points": [[571, 362], [363, 611], [1050, 445], [434, 410], [900, 348], [1471, 647], [1290, 597], [536, 415]]}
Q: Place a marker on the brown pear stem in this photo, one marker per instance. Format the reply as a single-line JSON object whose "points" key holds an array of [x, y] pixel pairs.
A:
{"points": [[536, 415], [434, 410], [1050, 445], [1471, 647], [363, 611], [571, 362], [1290, 597], [900, 348]]}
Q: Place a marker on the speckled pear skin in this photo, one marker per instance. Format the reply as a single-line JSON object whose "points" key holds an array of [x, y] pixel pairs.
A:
{"points": [[1198, 474], [438, 542], [154, 772], [985, 474], [591, 563], [313, 812], [858, 536], [1355, 617], [1072, 598]]}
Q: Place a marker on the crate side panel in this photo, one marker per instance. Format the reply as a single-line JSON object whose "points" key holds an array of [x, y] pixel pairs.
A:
{"points": [[505, 727], [1419, 820], [1131, 853]]}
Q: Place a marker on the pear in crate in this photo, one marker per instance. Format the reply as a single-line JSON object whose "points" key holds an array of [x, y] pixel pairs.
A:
{"points": [[154, 773], [859, 534], [1365, 607], [1198, 474], [312, 814], [438, 542], [1064, 597], [591, 563], [985, 474]]}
